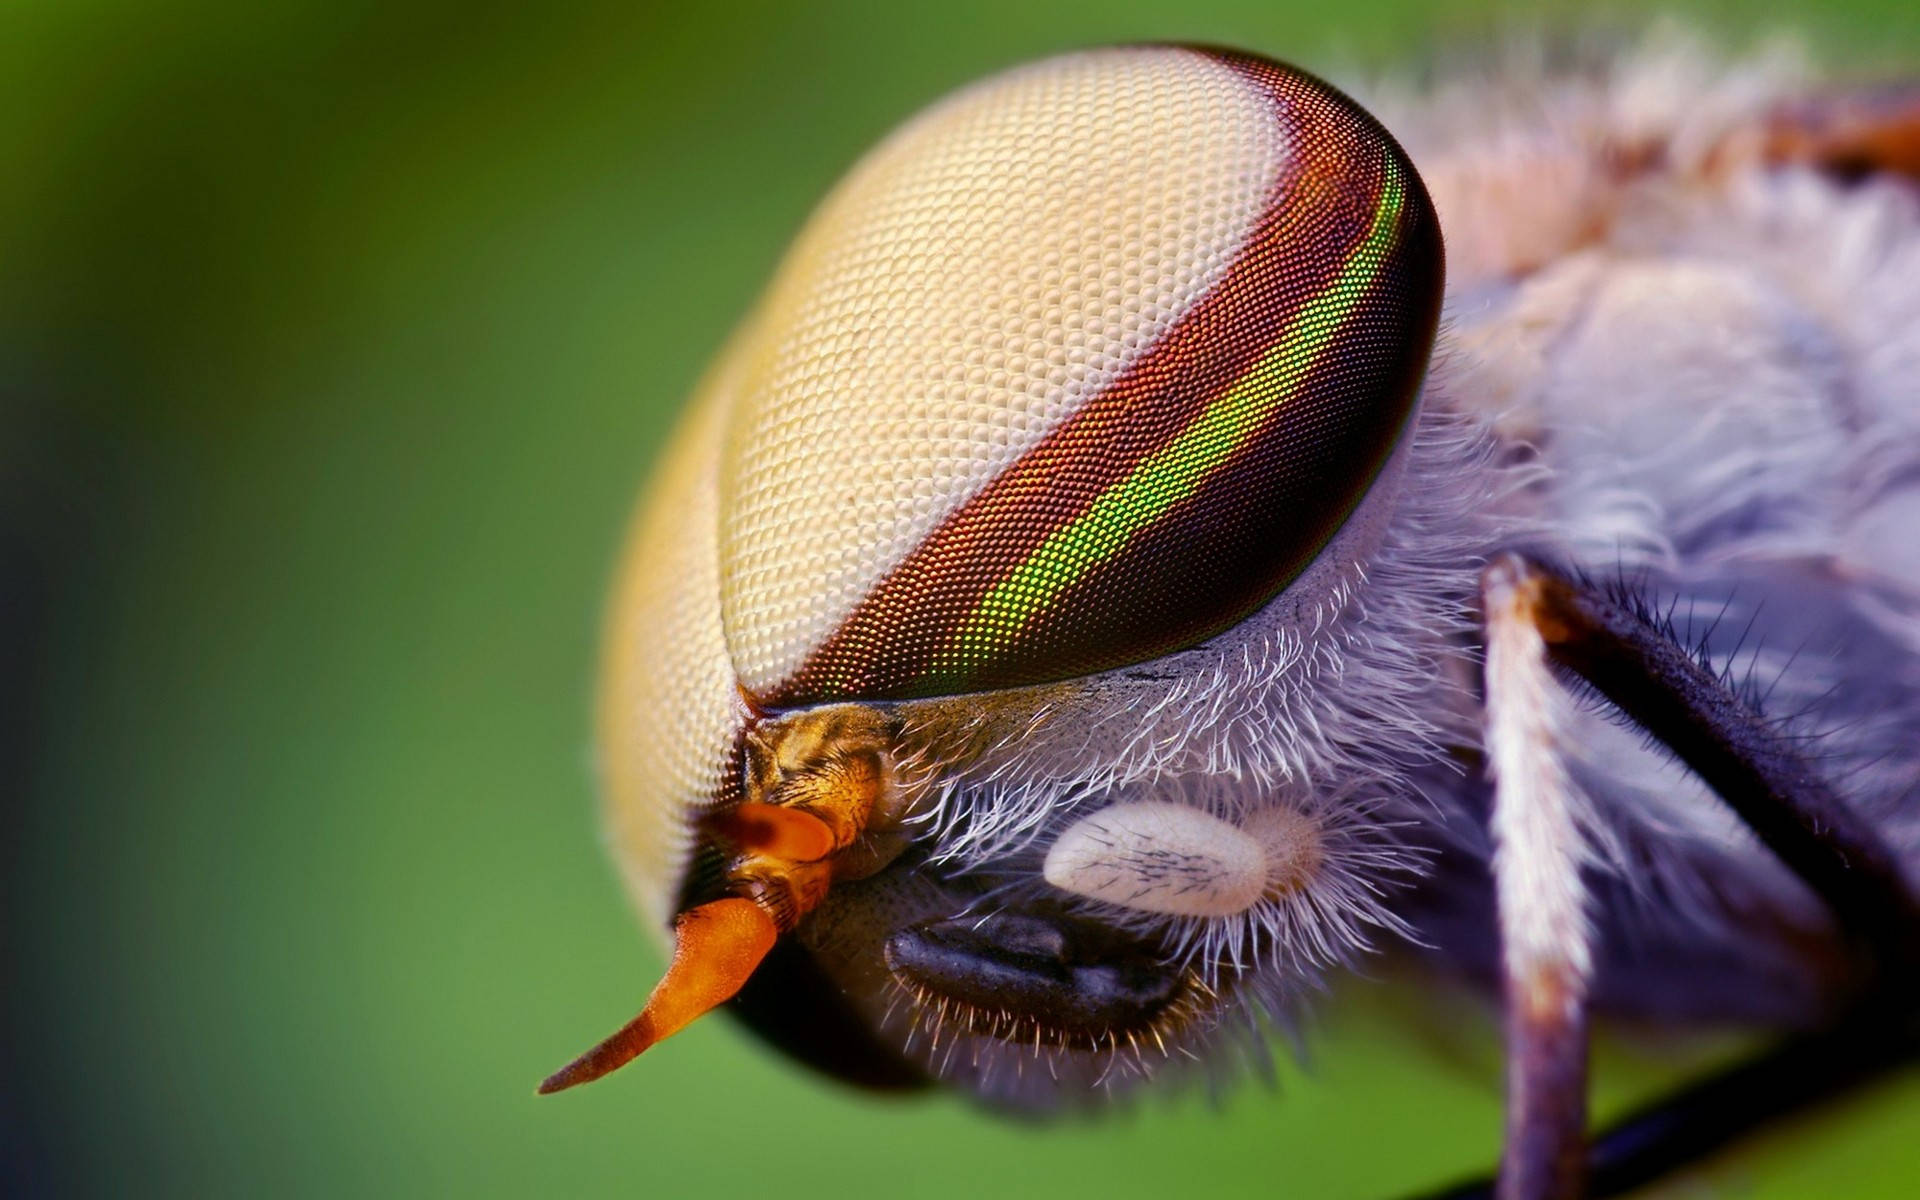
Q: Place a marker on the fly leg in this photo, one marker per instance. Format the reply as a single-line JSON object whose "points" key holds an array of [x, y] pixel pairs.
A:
{"points": [[1681, 1128], [1742, 757], [1536, 615], [1545, 938]]}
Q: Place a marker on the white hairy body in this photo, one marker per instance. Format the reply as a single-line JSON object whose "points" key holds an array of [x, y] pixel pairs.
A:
{"points": [[1713, 363]]}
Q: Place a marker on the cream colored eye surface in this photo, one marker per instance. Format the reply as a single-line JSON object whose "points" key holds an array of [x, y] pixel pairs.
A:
{"points": [[976, 282], [1077, 369]]}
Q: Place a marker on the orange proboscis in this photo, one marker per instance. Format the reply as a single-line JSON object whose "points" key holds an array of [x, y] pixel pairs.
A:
{"points": [[777, 831], [782, 861], [715, 948]]}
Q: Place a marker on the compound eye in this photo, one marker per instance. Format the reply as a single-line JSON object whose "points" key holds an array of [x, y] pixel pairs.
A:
{"points": [[1081, 368]]}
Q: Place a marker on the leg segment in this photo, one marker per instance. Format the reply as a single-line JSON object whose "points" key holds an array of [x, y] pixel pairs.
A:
{"points": [[1534, 615], [1546, 950], [1737, 753], [1703, 1117]]}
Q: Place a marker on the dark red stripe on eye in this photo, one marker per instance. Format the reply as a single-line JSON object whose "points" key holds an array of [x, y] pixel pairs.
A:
{"points": [[1260, 513]]}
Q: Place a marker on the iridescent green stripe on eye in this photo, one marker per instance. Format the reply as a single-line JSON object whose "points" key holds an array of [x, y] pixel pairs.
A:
{"points": [[1181, 467], [1200, 482]]}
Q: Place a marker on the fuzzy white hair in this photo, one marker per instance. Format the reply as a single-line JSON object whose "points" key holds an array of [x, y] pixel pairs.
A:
{"points": [[1713, 360]]}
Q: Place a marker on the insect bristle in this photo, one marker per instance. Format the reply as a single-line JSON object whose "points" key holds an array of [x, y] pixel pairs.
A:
{"points": [[936, 1024]]}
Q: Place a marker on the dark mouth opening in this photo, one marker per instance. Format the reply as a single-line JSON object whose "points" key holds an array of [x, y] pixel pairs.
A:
{"points": [[793, 1006]]}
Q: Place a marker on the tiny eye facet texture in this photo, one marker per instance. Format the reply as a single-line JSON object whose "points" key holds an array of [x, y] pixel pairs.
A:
{"points": [[1090, 608], [1079, 368]]}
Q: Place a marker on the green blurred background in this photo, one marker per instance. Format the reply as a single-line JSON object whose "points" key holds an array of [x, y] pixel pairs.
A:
{"points": [[334, 341]]}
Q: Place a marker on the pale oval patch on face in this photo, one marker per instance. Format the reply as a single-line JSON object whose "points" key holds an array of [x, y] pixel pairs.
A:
{"points": [[1159, 857]]}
